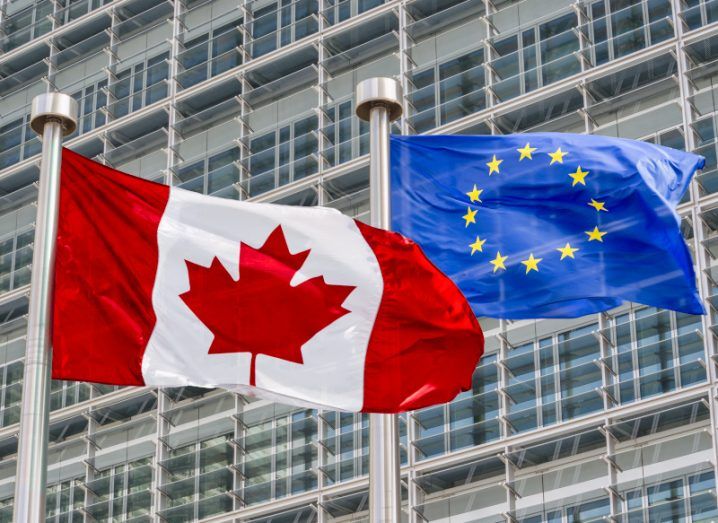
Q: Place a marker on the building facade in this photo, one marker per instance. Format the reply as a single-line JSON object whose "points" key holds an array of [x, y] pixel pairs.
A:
{"points": [[610, 417]]}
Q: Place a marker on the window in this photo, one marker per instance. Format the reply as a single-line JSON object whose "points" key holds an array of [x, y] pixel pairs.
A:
{"points": [[11, 139], [622, 27], [470, 419], [473, 416], [558, 43], [656, 351], [25, 25], [673, 500], [11, 376], [216, 174], [211, 54], [280, 456], [348, 136], [340, 10], [346, 444], [140, 85], [197, 472], [282, 23], [121, 492], [64, 502], [697, 13], [459, 91], [66, 393], [17, 142], [579, 378], [91, 101], [73, 9], [535, 57], [281, 156], [16, 248]]}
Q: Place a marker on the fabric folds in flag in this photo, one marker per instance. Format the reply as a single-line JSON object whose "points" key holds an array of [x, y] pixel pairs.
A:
{"points": [[160, 286], [548, 224]]}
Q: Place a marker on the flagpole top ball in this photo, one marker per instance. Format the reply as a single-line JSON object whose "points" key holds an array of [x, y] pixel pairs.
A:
{"points": [[380, 91], [54, 106]]}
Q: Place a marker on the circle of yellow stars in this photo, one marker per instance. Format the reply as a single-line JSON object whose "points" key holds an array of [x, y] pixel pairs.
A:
{"points": [[531, 264]]}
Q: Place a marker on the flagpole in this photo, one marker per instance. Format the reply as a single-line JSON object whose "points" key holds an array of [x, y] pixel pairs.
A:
{"points": [[378, 101], [53, 116]]}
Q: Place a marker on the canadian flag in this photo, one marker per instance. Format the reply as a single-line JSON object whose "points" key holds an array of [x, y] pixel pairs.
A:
{"points": [[160, 286]]}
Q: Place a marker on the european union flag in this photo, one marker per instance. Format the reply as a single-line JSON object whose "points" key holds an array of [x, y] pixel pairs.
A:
{"points": [[548, 225]]}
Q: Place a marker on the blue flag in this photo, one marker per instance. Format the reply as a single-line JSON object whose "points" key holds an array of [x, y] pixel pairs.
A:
{"points": [[548, 225]]}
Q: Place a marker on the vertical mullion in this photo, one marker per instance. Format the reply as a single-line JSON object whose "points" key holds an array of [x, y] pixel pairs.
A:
{"points": [[89, 462], [581, 22], [321, 461], [438, 99], [3, 392], [635, 362], [158, 476], [111, 492], [3, 17], [608, 14], [405, 66], [125, 490], [538, 377], [520, 65], [176, 45], [277, 154], [558, 411], [13, 255], [538, 39], [278, 25], [111, 71], [290, 153], [489, 56], [197, 471], [210, 53], [273, 461], [51, 69], [71, 501], [605, 354], [646, 23], [322, 101], [674, 350], [685, 479]]}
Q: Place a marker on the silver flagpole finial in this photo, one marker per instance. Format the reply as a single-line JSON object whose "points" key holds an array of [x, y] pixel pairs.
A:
{"points": [[54, 106], [373, 92]]}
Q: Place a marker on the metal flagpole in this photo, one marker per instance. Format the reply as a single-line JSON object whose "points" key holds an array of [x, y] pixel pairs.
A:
{"points": [[54, 115], [378, 101]]}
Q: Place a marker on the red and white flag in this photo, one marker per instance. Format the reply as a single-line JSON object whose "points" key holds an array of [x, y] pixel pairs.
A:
{"points": [[160, 286]]}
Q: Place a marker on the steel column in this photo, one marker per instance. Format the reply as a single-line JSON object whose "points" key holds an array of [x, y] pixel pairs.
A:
{"points": [[54, 115], [378, 100]]}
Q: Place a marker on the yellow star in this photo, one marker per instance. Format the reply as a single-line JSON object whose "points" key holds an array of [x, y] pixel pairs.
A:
{"points": [[557, 156], [599, 206], [475, 194], [579, 176], [470, 216], [531, 263], [498, 262], [477, 245], [567, 251], [494, 165], [595, 234], [526, 151]]}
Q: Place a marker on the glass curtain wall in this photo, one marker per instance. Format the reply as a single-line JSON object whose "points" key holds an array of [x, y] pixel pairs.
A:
{"points": [[606, 417]]}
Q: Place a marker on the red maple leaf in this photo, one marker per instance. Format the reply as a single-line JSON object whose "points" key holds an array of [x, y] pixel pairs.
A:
{"points": [[262, 313]]}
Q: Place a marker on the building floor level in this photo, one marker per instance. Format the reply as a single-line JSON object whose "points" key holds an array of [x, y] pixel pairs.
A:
{"points": [[610, 417]]}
